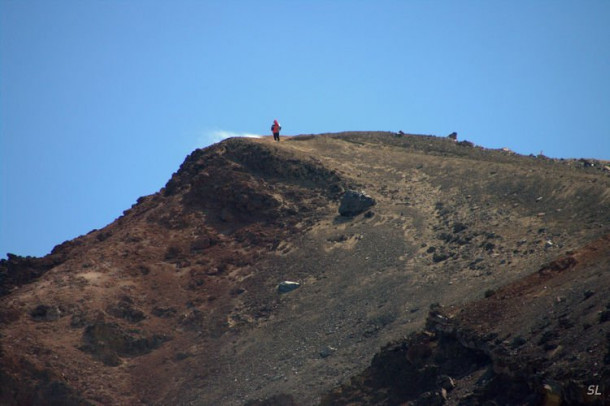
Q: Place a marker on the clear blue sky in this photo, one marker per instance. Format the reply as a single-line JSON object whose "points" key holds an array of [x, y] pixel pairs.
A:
{"points": [[100, 101]]}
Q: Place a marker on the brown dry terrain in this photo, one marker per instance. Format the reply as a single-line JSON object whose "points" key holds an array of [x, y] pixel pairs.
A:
{"points": [[176, 301]]}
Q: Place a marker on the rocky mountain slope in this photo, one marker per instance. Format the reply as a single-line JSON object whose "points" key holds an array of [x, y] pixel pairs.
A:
{"points": [[176, 302], [542, 340]]}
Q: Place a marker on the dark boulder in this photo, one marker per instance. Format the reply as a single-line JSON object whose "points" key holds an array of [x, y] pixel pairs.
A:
{"points": [[45, 313], [354, 203], [287, 286]]}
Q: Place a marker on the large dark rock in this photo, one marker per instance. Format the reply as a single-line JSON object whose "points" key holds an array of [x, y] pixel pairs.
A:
{"points": [[354, 203], [45, 313], [287, 286]]}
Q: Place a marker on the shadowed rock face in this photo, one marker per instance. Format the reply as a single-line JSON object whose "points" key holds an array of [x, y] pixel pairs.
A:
{"points": [[177, 302], [354, 203], [108, 342], [17, 270]]}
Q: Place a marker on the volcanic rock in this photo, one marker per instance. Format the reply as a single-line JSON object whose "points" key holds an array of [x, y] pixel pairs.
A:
{"points": [[327, 351], [287, 286], [354, 203], [46, 313]]}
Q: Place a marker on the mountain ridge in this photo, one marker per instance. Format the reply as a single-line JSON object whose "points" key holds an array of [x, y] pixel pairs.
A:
{"points": [[183, 284]]}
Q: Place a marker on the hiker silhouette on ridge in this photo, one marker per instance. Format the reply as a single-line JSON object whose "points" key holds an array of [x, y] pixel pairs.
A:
{"points": [[275, 129]]}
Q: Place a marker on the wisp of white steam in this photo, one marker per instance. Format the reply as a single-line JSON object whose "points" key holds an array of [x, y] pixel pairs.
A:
{"points": [[220, 135]]}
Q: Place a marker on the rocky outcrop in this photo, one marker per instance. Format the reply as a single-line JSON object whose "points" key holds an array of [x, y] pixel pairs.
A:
{"points": [[17, 270], [108, 342], [287, 286], [421, 369], [424, 369], [237, 182], [512, 347], [46, 313], [126, 310], [354, 203]]}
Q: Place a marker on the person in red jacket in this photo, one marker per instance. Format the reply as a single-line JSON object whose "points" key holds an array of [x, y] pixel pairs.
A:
{"points": [[275, 129]]}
